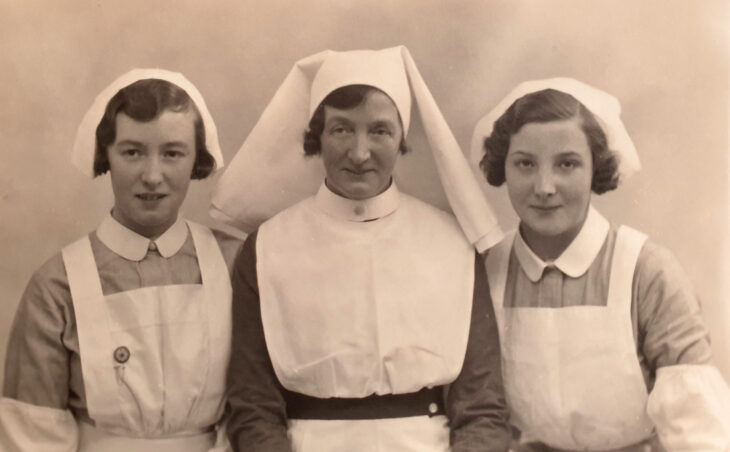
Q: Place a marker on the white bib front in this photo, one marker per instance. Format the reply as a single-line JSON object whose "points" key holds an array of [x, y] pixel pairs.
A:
{"points": [[355, 308]]}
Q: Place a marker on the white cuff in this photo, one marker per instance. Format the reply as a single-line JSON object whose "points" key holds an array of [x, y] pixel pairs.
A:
{"points": [[690, 408], [26, 427]]}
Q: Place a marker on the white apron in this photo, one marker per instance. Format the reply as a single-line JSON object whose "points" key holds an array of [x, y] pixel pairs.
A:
{"points": [[355, 308], [153, 359], [572, 376]]}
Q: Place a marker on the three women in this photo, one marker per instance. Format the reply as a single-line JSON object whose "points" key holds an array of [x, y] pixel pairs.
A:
{"points": [[121, 341]]}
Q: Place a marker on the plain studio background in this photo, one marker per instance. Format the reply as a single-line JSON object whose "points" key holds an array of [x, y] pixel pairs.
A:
{"points": [[666, 61]]}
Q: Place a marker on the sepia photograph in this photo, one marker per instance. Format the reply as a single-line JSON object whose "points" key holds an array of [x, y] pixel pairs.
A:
{"points": [[367, 225]]}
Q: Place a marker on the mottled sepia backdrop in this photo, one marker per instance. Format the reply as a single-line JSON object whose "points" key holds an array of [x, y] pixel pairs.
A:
{"points": [[666, 61]]}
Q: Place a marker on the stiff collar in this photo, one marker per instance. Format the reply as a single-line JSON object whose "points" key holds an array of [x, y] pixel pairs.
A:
{"points": [[576, 258], [354, 210], [133, 246]]}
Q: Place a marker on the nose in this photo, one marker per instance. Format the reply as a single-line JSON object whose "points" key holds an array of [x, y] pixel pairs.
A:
{"points": [[359, 152], [152, 172], [545, 183]]}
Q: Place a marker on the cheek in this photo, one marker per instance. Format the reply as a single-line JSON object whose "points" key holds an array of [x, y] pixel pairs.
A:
{"points": [[517, 185], [579, 187], [181, 177]]}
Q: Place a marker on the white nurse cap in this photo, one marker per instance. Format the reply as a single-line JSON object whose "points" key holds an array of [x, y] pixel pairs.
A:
{"points": [[270, 172], [604, 107], [85, 142]]}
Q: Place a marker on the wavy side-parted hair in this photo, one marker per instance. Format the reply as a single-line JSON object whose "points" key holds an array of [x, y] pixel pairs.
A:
{"points": [[144, 100], [343, 98], [545, 106]]}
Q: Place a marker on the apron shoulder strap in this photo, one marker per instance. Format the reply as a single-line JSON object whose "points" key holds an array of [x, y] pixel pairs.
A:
{"points": [[92, 328], [210, 256], [217, 287], [83, 277], [625, 256]]}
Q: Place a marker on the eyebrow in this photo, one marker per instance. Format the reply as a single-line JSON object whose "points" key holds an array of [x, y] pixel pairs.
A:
{"points": [[569, 154], [132, 142], [175, 143], [383, 122], [560, 154], [337, 118], [141, 144]]}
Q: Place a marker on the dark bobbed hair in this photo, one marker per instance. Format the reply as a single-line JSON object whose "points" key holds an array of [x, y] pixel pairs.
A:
{"points": [[545, 106], [144, 100], [343, 98]]}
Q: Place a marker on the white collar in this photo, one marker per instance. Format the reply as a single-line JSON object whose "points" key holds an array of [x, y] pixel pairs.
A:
{"points": [[133, 246], [357, 210], [576, 258]]}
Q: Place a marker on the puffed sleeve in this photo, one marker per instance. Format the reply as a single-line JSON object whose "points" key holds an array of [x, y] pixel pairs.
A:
{"points": [[689, 403], [256, 406], [34, 411], [475, 401]]}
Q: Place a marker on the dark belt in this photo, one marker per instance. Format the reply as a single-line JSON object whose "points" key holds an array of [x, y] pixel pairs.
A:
{"points": [[426, 402]]}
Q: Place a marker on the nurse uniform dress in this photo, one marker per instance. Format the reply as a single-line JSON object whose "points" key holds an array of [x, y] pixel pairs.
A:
{"points": [[584, 336], [358, 325], [603, 348], [350, 297], [121, 343], [118, 340]]}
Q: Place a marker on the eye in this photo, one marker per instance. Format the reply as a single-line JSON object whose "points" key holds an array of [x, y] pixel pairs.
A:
{"points": [[339, 129], [173, 154], [523, 163], [569, 164], [130, 152], [381, 131]]}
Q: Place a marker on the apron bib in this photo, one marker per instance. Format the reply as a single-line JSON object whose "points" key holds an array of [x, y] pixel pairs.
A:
{"points": [[572, 377], [153, 359]]}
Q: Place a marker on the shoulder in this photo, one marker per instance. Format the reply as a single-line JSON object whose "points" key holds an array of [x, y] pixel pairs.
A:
{"points": [[422, 208], [47, 292], [290, 220], [658, 265], [52, 273], [428, 216], [432, 227], [292, 211]]}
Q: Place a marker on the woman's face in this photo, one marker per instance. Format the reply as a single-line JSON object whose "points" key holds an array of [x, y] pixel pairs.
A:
{"points": [[549, 169], [360, 146], [151, 164]]}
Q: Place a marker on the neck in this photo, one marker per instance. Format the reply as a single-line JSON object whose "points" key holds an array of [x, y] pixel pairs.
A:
{"points": [[550, 247], [150, 232]]}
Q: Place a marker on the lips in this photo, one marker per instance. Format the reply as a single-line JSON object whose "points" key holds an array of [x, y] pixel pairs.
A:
{"points": [[358, 171], [150, 196], [545, 208]]}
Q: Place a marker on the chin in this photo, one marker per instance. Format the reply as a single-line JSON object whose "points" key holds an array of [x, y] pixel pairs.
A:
{"points": [[546, 230]]}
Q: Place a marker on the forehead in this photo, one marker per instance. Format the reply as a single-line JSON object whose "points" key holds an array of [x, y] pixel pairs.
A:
{"points": [[168, 125], [376, 106], [550, 137]]}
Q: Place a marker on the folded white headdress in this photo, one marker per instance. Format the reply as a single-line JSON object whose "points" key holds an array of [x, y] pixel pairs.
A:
{"points": [[85, 142], [604, 107], [270, 171]]}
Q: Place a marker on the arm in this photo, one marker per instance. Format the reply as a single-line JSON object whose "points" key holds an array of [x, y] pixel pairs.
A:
{"points": [[257, 409], [34, 411], [475, 403], [671, 330], [690, 402]]}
